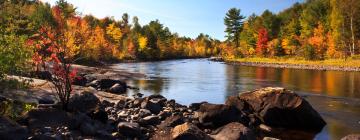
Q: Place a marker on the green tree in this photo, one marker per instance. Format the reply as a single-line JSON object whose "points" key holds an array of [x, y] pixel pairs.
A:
{"points": [[234, 24]]}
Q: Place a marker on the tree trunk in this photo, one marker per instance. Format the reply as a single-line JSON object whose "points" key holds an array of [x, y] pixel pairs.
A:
{"points": [[352, 35]]}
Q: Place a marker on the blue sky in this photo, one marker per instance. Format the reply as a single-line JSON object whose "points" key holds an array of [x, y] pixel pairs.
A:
{"points": [[186, 17]]}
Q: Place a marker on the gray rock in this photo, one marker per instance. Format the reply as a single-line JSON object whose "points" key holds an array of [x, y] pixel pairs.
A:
{"points": [[10, 130], [216, 115], [129, 129], [85, 102], [196, 106], [144, 113], [172, 122], [154, 108]]}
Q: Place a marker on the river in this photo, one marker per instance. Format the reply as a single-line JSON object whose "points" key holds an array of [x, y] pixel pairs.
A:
{"points": [[334, 94]]}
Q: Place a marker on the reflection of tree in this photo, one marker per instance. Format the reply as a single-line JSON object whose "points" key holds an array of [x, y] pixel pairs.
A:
{"points": [[334, 83], [153, 86]]}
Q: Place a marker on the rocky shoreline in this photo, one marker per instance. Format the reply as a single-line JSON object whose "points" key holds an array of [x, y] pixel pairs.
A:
{"points": [[260, 114], [99, 110], [290, 66]]}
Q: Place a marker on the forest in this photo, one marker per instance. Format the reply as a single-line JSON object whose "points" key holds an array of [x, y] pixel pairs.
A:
{"points": [[29, 29], [313, 30]]}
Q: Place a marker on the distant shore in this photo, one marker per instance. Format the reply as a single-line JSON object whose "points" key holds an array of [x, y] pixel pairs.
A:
{"points": [[328, 65]]}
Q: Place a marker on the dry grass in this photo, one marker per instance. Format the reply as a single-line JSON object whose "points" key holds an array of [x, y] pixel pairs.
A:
{"points": [[329, 62]]}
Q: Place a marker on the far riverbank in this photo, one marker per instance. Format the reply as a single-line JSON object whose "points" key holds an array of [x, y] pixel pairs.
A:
{"points": [[328, 65]]}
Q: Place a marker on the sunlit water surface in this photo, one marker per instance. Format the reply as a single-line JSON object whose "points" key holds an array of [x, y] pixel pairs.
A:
{"points": [[334, 94]]}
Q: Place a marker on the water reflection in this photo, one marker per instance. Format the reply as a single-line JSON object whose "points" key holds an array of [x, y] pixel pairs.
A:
{"points": [[189, 81]]}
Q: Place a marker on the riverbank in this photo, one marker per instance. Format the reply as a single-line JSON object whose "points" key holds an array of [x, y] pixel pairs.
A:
{"points": [[332, 65]]}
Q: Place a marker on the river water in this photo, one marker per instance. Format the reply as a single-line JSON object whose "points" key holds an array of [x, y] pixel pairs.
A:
{"points": [[334, 94]]}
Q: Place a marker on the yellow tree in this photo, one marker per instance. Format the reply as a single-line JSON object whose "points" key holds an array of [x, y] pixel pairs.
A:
{"points": [[142, 43], [114, 32]]}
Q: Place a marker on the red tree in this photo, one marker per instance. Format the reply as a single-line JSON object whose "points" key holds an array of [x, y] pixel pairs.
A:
{"points": [[50, 48], [261, 45]]}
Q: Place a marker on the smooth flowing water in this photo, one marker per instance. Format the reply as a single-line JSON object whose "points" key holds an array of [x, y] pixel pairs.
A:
{"points": [[334, 94]]}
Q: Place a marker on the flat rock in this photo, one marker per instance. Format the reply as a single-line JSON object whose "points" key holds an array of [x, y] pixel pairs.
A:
{"points": [[234, 131]]}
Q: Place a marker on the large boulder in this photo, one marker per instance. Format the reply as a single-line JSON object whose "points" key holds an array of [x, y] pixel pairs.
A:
{"points": [[216, 115], [10, 130], [234, 131], [189, 131], [45, 117], [85, 102], [278, 107]]}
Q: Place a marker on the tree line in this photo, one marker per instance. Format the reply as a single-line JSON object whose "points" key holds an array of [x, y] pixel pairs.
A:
{"points": [[93, 39], [314, 30]]}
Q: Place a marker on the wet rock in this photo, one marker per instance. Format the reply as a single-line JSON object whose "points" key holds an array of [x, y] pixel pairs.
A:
{"points": [[84, 102], [214, 115], [170, 103], [351, 137], [278, 107], [149, 120], [154, 108], [196, 106], [138, 95], [10, 130], [108, 83], [156, 96], [188, 131], [129, 129], [117, 88], [234, 131]]}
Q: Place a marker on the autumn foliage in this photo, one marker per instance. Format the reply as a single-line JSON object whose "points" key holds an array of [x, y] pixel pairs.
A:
{"points": [[51, 53], [261, 45]]}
